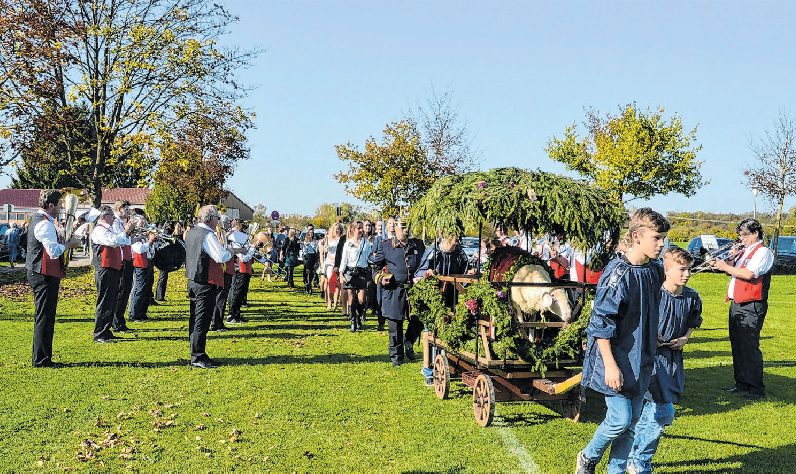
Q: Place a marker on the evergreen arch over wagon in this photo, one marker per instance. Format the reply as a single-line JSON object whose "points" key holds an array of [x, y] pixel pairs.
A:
{"points": [[533, 200]]}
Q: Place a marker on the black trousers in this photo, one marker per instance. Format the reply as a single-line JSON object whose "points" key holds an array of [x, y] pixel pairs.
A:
{"points": [[221, 302], [395, 331], [289, 276], [45, 302], [202, 298], [163, 281], [240, 285], [746, 321], [310, 262], [125, 288], [107, 281]]}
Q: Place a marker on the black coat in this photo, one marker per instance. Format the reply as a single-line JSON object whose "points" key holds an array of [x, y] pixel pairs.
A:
{"points": [[402, 261]]}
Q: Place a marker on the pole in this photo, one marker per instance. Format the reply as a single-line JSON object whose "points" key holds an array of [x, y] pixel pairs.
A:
{"points": [[754, 192]]}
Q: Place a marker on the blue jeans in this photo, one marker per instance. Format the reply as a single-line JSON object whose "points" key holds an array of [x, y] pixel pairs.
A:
{"points": [[655, 417], [616, 431]]}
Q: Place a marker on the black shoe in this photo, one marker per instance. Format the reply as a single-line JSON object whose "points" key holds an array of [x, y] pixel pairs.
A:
{"points": [[51, 365], [136, 320], [221, 329], [242, 319], [736, 390], [102, 340], [230, 318], [204, 364], [124, 330], [753, 396], [244, 305], [380, 328], [234, 321], [410, 353], [397, 363], [354, 324]]}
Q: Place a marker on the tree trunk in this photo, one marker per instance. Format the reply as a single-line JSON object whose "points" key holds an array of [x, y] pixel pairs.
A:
{"points": [[777, 227], [97, 172]]}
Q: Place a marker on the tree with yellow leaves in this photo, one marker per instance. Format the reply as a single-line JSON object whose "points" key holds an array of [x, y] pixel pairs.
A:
{"points": [[392, 174], [143, 67], [633, 155]]}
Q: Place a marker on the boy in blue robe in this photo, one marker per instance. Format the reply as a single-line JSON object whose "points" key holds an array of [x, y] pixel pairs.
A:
{"points": [[680, 314], [622, 340]]}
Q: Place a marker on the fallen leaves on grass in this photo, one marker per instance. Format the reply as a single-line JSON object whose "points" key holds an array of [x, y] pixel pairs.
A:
{"points": [[15, 291]]}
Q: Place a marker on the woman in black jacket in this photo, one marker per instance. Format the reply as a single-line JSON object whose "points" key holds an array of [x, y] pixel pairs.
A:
{"points": [[290, 254]]}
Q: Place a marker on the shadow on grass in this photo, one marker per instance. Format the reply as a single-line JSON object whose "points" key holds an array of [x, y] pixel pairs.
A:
{"points": [[310, 359], [760, 461], [233, 362], [529, 419], [705, 387]]}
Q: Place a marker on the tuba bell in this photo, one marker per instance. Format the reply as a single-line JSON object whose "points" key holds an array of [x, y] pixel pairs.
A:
{"points": [[71, 202]]}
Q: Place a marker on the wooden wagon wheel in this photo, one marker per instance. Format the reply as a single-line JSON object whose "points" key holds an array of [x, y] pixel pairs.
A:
{"points": [[484, 400], [571, 406], [442, 376]]}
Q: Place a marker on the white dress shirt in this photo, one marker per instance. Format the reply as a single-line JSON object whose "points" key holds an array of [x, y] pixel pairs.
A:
{"points": [[45, 233], [213, 247], [118, 227], [104, 234], [352, 257]]}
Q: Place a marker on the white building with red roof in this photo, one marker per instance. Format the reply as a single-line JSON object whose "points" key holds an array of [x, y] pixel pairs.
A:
{"points": [[17, 205]]}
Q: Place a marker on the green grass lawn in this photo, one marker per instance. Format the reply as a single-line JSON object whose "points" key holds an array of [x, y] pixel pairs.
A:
{"points": [[298, 393]]}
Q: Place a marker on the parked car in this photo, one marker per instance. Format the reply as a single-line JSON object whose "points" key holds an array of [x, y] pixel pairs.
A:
{"points": [[470, 245], [786, 250], [698, 251], [3, 243], [319, 234]]}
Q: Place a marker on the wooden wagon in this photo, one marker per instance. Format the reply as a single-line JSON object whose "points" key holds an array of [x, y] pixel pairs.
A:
{"points": [[493, 379], [534, 201]]}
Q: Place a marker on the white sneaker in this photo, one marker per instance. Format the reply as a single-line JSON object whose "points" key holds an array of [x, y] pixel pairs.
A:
{"points": [[584, 465]]}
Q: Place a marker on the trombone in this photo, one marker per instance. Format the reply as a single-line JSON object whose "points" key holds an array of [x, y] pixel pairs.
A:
{"points": [[711, 256]]}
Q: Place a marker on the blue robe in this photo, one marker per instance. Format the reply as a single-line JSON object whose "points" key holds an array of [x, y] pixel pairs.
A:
{"points": [[626, 312], [678, 313]]}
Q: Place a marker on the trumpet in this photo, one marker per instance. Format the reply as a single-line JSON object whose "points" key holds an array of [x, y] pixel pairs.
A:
{"points": [[733, 247]]}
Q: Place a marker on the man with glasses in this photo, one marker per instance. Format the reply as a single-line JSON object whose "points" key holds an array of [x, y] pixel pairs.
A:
{"points": [[204, 257], [750, 269]]}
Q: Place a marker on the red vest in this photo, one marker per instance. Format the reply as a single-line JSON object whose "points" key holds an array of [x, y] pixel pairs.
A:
{"points": [[127, 253], [584, 274], [53, 267], [748, 290], [215, 273], [559, 270], [246, 267], [140, 260], [110, 257], [229, 267]]}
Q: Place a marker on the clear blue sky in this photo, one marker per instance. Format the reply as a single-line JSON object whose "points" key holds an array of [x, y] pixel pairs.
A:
{"points": [[337, 71]]}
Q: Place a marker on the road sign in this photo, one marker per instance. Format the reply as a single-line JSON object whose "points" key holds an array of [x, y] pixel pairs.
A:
{"points": [[275, 215]]}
